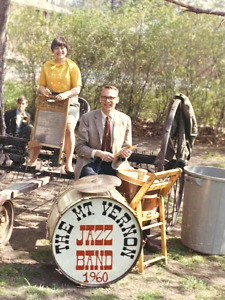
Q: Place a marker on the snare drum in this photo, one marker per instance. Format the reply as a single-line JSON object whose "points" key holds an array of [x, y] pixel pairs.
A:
{"points": [[96, 238]]}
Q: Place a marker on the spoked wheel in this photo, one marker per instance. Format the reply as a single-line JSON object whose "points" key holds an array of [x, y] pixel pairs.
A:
{"points": [[6, 222], [168, 158], [173, 202]]}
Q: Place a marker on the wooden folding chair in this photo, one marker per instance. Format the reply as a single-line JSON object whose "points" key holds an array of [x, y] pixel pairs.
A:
{"points": [[147, 200]]}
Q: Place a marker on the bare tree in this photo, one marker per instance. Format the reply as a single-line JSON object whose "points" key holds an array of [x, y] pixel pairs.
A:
{"points": [[4, 6], [197, 10]]}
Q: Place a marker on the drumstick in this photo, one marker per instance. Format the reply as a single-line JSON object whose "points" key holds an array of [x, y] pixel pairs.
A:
{"points": [[128, 147]]}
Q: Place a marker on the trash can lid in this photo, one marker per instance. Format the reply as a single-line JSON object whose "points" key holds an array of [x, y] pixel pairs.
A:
{"points": [[206, 172]]}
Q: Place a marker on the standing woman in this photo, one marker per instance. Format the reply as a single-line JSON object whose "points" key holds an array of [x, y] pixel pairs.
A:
{"points": [[62, 77]]}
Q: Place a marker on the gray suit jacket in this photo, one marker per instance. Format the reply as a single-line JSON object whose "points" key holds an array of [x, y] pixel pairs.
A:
{"points": [[90, 136]]}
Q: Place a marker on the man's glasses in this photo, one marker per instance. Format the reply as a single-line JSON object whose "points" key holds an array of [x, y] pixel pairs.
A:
{"points": [[110, 98]]}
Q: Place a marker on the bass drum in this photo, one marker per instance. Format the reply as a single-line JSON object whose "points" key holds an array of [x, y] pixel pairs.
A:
{"points": [[96, 238]]}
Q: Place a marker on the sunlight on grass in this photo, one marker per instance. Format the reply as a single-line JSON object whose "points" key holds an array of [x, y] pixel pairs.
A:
{"points": [[193, 261], [164, 283], [177, 251], [220, 159], [220, 165], [192, 283], [220, 259], [150, 278], [36, 293], [153, 295], [208, 294], [134, 277], [43, 242], [3, 292], [179, 220], [211, 154], [123, 282], [220, 291]]}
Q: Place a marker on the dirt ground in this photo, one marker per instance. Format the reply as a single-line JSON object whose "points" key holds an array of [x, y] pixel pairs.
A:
{"points": [[31, 212]]}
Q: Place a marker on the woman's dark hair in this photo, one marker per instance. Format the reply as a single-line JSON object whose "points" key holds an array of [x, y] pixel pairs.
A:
{"points": [[58, 42]]}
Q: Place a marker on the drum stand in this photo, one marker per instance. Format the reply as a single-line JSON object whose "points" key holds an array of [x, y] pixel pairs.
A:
{"points": [[150, 188]]}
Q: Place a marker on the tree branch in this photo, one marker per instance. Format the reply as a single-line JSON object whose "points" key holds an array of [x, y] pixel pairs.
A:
{"points": [[197, 10]]}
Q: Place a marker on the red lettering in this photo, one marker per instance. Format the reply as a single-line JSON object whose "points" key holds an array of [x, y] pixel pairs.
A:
{"points": [[90, 229], [80, 242], [80, 255], [95, 235], [110, 229], [88, 262], [94, 260], [98, 241]]}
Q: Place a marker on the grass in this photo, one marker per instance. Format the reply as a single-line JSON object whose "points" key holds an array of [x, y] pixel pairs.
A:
{"points": [[26, 281], [220, 159], [100, 296], [220, 165], [33, 281], [153, 295], [220, 259], [36, 293], [200, 288], [192, 262], [192, 283], [42, 255], [176, 250], [11, 275]]}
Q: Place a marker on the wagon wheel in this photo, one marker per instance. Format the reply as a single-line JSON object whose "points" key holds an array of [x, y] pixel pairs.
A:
{"points": [[173, 202], [168, 158], [6, 222]]}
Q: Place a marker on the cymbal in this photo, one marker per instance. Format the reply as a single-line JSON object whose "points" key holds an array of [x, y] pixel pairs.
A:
{"points": [[96, 183]]}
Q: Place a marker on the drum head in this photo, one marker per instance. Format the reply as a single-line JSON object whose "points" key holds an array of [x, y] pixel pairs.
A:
{"points": [[96, 183], [97, 241]]}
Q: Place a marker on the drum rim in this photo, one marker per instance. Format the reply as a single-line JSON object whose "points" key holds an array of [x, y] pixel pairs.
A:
{"points": [[122, 275]]}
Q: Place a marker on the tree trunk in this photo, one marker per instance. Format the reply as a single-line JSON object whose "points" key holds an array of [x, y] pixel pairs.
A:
{"points": [[4, 6]]}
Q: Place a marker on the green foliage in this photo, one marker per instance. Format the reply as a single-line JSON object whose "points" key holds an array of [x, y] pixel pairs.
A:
{"points": [[149, 50], [13, 90]]}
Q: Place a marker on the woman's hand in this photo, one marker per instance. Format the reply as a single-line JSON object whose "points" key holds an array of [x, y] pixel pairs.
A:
{"points": [[44, 91], [61, 96], [71, 93]]}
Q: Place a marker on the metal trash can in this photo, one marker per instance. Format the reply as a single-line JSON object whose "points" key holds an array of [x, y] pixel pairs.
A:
{"points": [[203, 220]]}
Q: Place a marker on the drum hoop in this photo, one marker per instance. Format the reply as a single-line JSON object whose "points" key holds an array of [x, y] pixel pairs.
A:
{"points": [[122, 275]]}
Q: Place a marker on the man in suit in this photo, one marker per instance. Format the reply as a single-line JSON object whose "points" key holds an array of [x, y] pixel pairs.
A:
{"points": [[17, 120], [94, 157]]}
